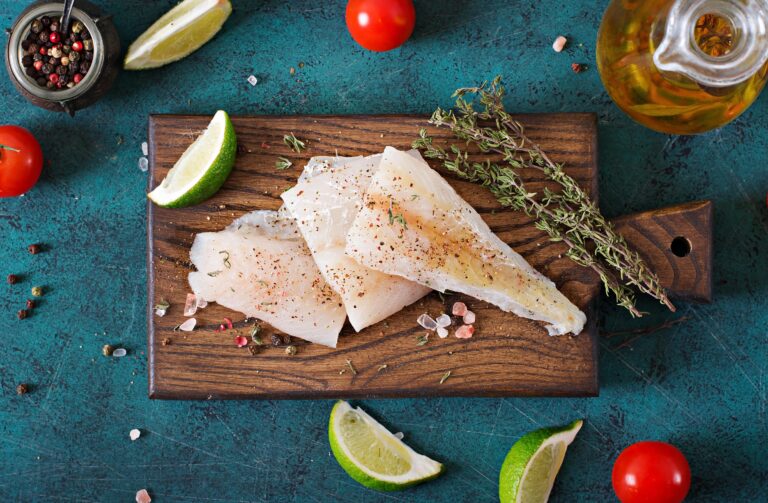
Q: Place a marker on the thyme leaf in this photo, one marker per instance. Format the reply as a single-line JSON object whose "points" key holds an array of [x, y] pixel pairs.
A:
{"points": [[445, 377], [293, 142], [351, 367], [213, 274], [422, 339], [282, 163]]}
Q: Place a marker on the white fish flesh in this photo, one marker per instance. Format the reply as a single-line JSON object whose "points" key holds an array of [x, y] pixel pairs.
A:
{"points": [[413, 224], [261, 267], [324, 203]]}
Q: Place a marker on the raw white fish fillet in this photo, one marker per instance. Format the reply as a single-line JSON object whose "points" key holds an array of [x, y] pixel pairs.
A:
{"points": [[261, 267], [413, 224], [324, 203]]}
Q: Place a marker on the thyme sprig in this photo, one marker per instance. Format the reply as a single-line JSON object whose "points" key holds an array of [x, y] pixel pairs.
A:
{"points": [[567, 215]]}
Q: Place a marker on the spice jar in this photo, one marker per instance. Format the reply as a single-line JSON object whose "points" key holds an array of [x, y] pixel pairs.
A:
{"points": [[104, 45]]}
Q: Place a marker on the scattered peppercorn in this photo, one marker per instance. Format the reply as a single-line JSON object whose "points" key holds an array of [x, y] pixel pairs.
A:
{"points": [[30, 304], [21, 389], [22, 314], [166, 341], [12, 279], [34, 249], [107, 350], [254, 350], [276, 340], [291, 350], [37, 291]]}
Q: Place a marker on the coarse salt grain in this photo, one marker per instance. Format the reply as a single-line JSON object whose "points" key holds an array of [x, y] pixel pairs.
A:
{"points": [[134, 434], [143, 497], [190, 306], [465, 331], [241, 341], [160, 312], [469, 318], [252, 80], [201, 303], [399, 435], [426, 321], [143, 163], [459, 309], [188, 325], [144, 148], [119, 352], [443, 320], [559, 43], [442, 332]]}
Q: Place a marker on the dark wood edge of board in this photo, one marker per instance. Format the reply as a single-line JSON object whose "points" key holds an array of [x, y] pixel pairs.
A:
{"points": [[157, 393]]}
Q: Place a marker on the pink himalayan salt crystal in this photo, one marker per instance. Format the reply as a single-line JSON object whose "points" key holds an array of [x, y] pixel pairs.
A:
{"points": [[143, 497], [465, 331], [469, 318], [190, 306], [241, 341], [459, 309], [559, 44], [188, 325]]}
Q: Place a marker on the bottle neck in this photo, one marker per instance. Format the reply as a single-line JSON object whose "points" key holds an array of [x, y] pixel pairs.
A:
{"points": [[692, 45]]}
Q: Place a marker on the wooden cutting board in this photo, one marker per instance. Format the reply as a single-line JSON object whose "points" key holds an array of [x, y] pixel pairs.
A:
{"points": [[508, 356]]}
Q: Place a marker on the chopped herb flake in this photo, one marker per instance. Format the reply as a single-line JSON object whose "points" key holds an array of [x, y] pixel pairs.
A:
{"points": [[445, 377], [226, 259]]}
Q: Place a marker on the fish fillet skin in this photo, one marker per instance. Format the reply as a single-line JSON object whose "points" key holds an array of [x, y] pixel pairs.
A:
{"points": [[324, 203], [414, 224], [260, 266]]}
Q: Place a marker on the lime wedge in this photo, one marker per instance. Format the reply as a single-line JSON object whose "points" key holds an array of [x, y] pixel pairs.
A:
{"points": [[372, 455], [202, 169], [180, 32], [531, 465]]}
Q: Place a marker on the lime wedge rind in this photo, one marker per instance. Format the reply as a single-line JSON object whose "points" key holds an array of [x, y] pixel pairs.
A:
{"points": [[530, 467], [422, 468], [178, 33], [202, 169]]}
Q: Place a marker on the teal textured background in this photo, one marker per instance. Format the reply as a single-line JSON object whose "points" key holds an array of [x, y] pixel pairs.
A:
{"points": [[701, 384]]}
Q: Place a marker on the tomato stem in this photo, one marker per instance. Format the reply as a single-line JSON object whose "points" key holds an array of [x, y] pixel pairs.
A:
{"points": [[6, 147]]}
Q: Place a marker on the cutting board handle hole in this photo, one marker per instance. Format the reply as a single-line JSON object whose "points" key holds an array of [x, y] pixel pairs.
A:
{"points": [[680, 246]]}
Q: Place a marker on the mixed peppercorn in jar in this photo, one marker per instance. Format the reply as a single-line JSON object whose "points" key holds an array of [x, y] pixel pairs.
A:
{"points": [[55, 60]]}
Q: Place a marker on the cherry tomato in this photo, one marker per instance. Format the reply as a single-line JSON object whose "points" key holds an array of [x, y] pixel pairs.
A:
{"points": [[380, 25], [651, 472], [21, 161]]}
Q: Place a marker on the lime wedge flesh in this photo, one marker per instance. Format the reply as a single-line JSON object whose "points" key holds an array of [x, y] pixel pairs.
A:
{"points": [[202, 169], [372, 455], [531, 465], [180, 32]]}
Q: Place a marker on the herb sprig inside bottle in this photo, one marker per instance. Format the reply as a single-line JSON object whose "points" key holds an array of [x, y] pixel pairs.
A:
{"points": [[567, 215]]}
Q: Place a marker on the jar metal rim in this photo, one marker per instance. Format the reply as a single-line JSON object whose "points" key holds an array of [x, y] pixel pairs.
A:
{"points": [[15, 53]]}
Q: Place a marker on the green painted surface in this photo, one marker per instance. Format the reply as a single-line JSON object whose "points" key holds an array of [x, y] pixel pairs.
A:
{"points": [[700, 385]]}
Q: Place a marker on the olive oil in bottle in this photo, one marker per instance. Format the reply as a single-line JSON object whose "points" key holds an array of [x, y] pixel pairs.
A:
{"points": [[684, 66]]}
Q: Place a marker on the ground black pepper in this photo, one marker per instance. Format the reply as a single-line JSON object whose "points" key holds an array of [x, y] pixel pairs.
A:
{"points": [[49, 56]]}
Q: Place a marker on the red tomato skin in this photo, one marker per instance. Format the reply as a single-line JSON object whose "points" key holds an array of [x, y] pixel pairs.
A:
{"points": [[651, 472], [19, 171], [380, 25]]}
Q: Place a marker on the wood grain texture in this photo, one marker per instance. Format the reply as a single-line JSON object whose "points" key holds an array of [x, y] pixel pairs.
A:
{"points": [[507, 356], [675, 242]]}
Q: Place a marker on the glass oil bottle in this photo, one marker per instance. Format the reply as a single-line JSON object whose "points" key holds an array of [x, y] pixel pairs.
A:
{"points": [[684, 66]]}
